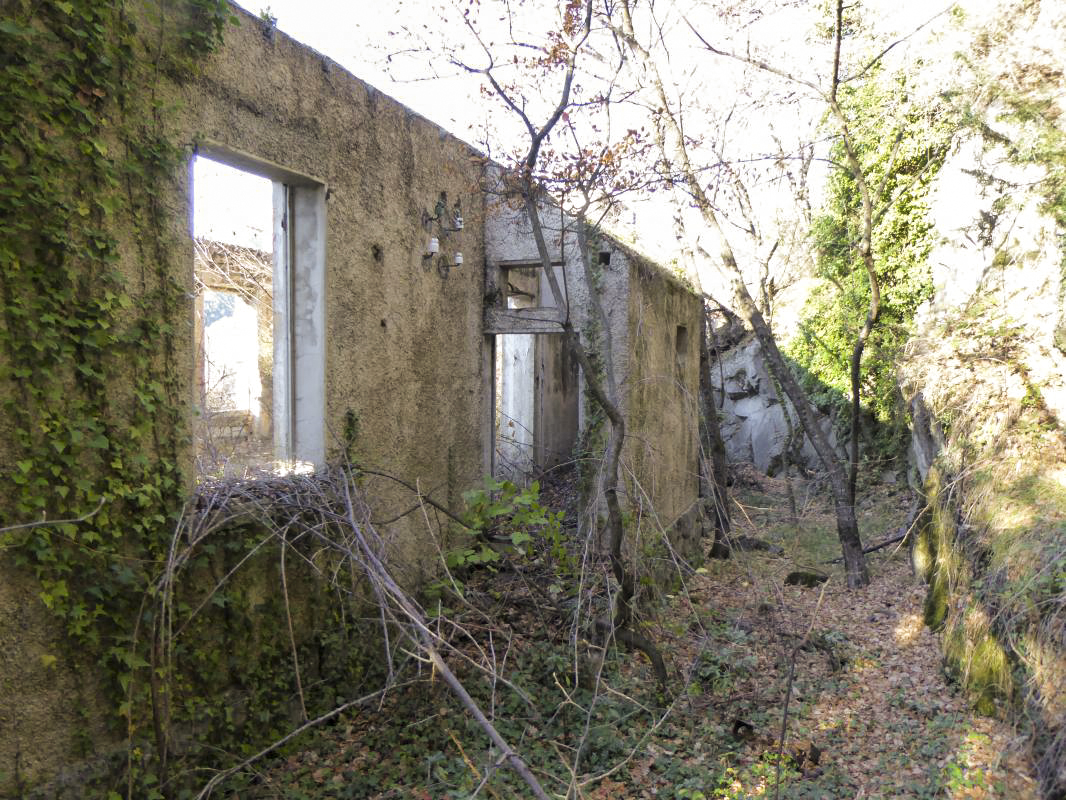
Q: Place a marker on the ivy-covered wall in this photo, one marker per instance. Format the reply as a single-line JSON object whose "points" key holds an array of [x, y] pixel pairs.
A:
{"points": [[103, 107]]}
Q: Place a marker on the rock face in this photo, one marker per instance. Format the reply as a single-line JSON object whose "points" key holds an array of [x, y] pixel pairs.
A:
{"points": [[985, 375], [754, 426]]}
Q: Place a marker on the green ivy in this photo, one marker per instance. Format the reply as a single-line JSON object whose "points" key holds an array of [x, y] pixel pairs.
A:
{"points": [[902, 240], [92, 400]]}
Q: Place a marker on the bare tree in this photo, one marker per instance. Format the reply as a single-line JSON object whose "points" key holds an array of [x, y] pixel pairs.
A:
{"points": [[676, 155], [587, 177], [872, 207]]}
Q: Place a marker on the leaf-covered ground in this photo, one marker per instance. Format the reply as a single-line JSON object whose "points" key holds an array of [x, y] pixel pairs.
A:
{"points": [[871, 713]]}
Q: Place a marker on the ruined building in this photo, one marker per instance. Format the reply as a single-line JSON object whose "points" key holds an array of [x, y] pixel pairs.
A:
{"points": [[397, 315]]}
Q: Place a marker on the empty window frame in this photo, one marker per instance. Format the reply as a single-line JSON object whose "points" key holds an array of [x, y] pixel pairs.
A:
{"points": [[260, 315]]}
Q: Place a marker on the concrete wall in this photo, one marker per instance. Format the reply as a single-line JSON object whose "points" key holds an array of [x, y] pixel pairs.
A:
{"points": [[662, 398], [402, 342]]}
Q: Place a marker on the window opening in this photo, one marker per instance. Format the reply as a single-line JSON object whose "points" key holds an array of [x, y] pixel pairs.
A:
{"points": [[233, 221], [259, 269], [681, 349]]}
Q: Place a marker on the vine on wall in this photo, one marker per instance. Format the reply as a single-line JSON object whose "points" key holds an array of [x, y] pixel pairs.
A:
{"points": [[903, 237], [92, 397]]}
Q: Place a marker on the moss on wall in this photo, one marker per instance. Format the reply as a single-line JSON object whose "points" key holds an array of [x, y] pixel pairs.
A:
{"points": [[990, 544]]}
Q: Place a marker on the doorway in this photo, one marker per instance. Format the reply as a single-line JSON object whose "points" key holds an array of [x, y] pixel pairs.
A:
{"points": [[536, 388]]}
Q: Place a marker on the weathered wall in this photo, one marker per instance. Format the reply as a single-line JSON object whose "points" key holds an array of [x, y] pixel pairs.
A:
{"points": [[661, 400], [644, 308], [403, 333], [510, 242]]}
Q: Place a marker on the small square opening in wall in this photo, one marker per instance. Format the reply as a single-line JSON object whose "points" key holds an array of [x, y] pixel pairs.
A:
{"points": [[605, 258], [681, 347]]}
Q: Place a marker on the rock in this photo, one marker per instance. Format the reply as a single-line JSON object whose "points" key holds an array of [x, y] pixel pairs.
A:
{"points": [[753, 423], [805, 578]]}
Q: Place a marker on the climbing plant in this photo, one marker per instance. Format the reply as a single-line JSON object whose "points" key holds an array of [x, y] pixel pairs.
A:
{"points": [[92, 400]]}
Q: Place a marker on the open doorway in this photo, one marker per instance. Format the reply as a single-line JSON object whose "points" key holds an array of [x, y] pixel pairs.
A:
{"points": [[536, 388], [259, 238]]}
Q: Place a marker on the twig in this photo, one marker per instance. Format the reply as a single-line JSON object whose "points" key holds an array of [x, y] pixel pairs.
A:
{"points": [[47, 522], [418, 492], [874, 548], [916, 514], [467, 761], [292, 633]]}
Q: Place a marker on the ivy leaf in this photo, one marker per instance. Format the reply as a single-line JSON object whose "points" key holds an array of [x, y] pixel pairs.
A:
{"points": [[13, 29]]}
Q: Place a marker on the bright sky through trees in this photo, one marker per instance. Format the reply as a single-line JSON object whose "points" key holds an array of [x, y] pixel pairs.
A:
{"points": [[386, 44]]}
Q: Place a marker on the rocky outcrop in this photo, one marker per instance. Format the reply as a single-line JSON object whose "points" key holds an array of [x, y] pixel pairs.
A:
{"points": [[754, 426], [986, 380]]}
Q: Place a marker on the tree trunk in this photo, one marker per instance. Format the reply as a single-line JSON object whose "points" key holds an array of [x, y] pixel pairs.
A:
{"points": [[675, 154], [714, 466], [847, 525], [608, 402]]}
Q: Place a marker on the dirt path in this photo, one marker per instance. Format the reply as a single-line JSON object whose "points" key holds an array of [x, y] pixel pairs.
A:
{"points": [[869, 691]]}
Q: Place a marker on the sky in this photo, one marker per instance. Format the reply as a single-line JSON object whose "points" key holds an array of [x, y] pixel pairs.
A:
{"points": [[361, 35], [232, 206]]}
